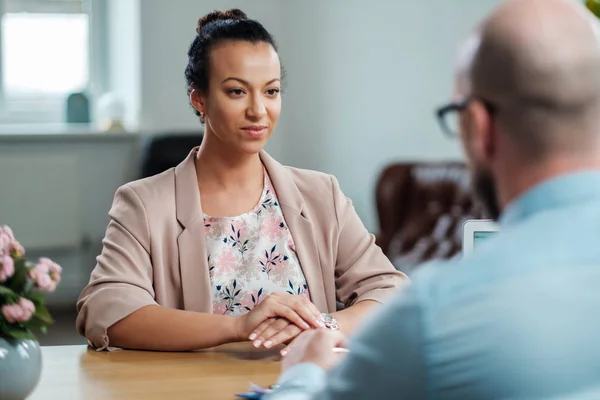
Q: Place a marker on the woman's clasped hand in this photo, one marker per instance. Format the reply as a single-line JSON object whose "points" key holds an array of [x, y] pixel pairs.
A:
{"points": [[278, 319]]}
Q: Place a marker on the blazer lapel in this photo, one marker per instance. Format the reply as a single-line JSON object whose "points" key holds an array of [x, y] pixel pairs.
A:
{"points": [[292, 204], [193, 262]]}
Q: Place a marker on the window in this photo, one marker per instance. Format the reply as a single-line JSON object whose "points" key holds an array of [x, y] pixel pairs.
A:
{"points": [[44, 57]]}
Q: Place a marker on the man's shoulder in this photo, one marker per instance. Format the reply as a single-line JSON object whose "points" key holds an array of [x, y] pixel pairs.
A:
{"points": [[514, 251], [439, 281], [431, 279]]}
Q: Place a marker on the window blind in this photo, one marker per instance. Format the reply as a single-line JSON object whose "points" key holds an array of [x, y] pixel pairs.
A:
{"points": [[44, 6]]}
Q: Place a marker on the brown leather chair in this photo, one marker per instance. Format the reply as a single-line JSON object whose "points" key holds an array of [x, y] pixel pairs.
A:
{"points": [[421, 209]]}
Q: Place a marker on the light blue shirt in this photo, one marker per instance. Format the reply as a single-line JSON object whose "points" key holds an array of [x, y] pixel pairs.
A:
{"points": [[517, 319]]}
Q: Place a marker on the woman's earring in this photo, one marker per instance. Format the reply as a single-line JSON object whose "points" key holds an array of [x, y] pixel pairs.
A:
{"points": [[202, 115]]}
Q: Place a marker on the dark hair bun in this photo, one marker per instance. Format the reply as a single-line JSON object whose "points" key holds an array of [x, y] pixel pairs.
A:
{"points": [[234, 13]]}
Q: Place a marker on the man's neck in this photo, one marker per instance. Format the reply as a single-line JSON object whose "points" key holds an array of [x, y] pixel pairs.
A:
{"points": [[519, 178]]}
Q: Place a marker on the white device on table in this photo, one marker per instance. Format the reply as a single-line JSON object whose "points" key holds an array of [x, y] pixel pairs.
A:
{"points": [[476, 231]]}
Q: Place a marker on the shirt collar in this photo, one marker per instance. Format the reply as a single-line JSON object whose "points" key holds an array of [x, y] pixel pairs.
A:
{"points": [[556, 192]]}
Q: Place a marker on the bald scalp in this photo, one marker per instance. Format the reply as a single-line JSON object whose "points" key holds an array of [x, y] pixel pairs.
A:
{"points": [[538, 61]]}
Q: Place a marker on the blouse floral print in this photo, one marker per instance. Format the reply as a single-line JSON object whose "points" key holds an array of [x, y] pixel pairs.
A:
{"points": [[251, 256]]}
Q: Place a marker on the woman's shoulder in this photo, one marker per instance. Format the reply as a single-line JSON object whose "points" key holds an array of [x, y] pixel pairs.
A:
{"points": [[311, 180], [154, 191], [147, 204], [306, 180], [319, 190]]}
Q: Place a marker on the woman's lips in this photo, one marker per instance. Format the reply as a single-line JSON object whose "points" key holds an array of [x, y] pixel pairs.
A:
{"points": [[255, 131]]}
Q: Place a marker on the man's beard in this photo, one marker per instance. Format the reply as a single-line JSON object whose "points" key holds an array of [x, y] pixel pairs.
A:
{"points": [[484, 189]]}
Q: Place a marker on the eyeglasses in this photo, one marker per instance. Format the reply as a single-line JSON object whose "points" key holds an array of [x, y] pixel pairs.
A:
{"points": [[449, 115]]}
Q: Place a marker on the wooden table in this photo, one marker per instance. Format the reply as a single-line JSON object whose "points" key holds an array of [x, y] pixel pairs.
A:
{"points": [[74, 372]]}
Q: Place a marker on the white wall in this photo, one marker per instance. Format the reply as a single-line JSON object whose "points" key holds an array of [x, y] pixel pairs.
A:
{"points": [[364, 82]]}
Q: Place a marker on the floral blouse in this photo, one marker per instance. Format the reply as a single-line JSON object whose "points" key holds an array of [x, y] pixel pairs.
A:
{"points": [[251, 256]]}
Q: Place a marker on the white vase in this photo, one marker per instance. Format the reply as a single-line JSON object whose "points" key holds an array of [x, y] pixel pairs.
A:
{"points": [[20, 368]]}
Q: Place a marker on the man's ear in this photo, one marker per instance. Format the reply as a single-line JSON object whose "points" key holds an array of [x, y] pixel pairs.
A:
{"points": [[482, 133]]}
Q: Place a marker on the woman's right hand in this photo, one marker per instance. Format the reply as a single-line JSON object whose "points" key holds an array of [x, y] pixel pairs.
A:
{"points": [[296, 309]]}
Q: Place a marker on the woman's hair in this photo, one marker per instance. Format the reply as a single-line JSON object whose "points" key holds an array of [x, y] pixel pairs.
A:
{"points": [[213, 29]]}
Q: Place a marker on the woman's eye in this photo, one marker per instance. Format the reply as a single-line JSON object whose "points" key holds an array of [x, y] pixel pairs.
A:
{"points": [[272, 92], [236, 92]]}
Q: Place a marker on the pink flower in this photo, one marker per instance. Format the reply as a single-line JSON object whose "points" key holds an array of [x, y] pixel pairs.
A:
{"points": [[44, 282], [220, 307], [7, 267], [20, 312], [5, 241], [6, 229], [27, 306], [6, 238], [46, 275], [271, 228], [16, 249], [226, 262], [53, 268]]}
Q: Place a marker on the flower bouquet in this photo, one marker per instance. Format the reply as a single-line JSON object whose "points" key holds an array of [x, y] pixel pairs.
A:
{"points": [[23, 287]]}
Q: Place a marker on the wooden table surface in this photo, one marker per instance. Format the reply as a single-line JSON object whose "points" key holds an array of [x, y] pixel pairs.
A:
{"points": [[74, 372]]}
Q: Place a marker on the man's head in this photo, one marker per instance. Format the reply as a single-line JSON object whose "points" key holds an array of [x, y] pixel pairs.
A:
{"points": [[528, 97]]}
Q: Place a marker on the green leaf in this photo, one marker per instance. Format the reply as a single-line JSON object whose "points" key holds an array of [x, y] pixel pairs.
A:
{"points": [[20, 334], [34, 323], [36, 297], [4, 326], [4, 291], [19, 280], [29, 285], [42, 314]]}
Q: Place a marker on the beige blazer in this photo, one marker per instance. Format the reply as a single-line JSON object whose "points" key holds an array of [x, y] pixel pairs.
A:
{"points": [[154, 251]]}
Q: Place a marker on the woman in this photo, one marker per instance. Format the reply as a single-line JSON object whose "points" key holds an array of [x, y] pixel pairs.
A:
{"points": [[230, 245]]}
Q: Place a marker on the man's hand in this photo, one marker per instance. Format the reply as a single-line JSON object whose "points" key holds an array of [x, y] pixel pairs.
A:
{"points": [[316, 347]]}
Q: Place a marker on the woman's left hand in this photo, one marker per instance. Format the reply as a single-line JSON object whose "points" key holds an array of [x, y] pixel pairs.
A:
{"points": [[274, 331]]}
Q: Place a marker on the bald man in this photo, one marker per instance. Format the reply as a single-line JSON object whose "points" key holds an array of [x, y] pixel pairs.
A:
{"points": [[518, 318]]}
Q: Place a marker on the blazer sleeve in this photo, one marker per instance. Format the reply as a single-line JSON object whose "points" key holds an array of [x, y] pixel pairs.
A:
{"points": [[363, 272], [121, 282]]}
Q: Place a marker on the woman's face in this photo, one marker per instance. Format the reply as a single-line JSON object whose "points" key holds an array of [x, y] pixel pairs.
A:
{"points": [[243, 102]]}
